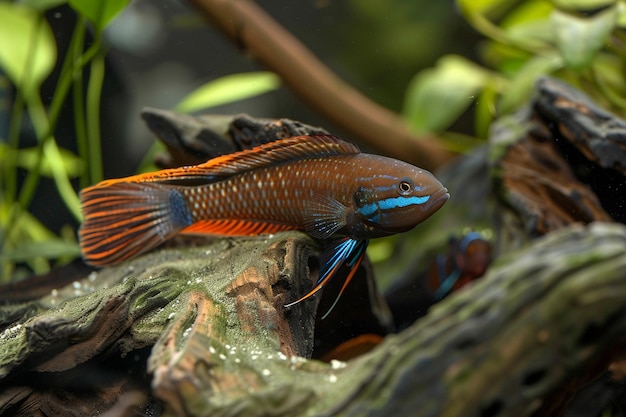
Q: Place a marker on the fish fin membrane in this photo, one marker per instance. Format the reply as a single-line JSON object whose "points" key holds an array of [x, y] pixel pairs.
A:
{"points": [[324, 216], [344, 251], [216, 169], [235, 227], [125, 219]]}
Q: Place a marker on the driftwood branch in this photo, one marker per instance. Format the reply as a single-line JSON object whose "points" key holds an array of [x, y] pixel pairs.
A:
{"points": [[222, 344], [249, 27]]}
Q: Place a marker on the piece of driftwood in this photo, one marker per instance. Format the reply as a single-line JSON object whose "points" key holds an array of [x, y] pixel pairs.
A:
{"points": [[559, 161], [191, 140], [218, 342]]}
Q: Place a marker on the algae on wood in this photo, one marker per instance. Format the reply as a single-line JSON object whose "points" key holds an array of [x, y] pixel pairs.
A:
{"points": [[224, 345]]}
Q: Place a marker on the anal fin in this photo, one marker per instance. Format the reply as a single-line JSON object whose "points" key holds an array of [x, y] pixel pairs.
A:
{"points": [[236, 227]]}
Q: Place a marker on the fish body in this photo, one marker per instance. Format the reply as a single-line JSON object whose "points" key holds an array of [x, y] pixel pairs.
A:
{"points": [[318, 184], [467, 260]]}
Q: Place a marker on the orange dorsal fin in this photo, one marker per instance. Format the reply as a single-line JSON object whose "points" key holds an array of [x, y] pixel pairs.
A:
{"points": [[284, 150], [234, 227]]}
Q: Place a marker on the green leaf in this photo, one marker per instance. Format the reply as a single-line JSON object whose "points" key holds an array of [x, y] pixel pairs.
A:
{"points": [[99, 12], [621, 14], [522, 84], [485, 7], [228, 89], [583, 4], [580, 38], [49, 249], [26, 158], [42, 5], [27, 47], [529, 24], [438, 96]]}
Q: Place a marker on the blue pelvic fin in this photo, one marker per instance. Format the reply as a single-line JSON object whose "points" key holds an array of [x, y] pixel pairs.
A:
{"points": [[344, 251]]}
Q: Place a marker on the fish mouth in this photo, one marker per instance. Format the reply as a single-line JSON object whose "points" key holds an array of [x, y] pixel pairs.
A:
{"points": [[437, 199]]}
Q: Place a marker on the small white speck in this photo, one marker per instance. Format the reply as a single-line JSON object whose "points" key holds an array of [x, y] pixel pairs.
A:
{"points": [[212, 350], [237, 360], [222, 356], [254, 357], [171, 316], [11, 331], [92, 277], [335, 364], [266, 372], [76, 285], [54, 292], [332, 378]]}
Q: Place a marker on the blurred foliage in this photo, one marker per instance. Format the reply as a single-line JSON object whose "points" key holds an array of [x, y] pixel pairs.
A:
{"points": [[580, 41], [28, 55], [384, 43]]}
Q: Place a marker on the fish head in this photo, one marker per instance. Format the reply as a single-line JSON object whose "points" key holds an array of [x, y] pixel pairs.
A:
{"points": [[395, 197]]}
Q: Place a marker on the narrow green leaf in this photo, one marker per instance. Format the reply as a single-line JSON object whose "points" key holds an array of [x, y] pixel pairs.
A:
{"points": [[99, 12], [50, 249], [27, 47], [580, 38], [27, 157], [437, 96], [228, 89]]}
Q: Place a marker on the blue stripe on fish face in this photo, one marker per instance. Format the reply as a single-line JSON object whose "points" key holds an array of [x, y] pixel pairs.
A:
{"points": [[370, 209]]}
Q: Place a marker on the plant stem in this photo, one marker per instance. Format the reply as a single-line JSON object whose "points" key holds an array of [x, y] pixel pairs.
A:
{"points": [[70, 67], [80, 127], [94, 93]]}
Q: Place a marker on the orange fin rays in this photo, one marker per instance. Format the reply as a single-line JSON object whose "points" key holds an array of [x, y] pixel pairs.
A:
{"points": [[234, 227], [126, 219], [289, 149]]}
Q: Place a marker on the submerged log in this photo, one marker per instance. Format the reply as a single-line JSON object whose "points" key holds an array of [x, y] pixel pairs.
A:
{"points": [[218, 341]]}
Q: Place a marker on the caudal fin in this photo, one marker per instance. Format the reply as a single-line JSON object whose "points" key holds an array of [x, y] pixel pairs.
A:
{"points": [[124, 219]]}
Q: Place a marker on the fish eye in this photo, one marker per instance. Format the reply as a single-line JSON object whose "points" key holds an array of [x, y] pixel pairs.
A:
{"points": [[405, 186]]}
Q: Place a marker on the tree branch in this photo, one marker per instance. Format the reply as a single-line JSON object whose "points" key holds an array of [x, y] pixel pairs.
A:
{"points": [[249, 26]]}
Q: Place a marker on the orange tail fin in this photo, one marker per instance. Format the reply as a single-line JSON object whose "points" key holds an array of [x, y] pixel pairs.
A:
{"points": [[124, 219]]}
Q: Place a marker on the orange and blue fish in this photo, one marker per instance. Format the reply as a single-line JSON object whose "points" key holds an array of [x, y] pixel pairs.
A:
{"points": [[321, 185], [467, 260]]}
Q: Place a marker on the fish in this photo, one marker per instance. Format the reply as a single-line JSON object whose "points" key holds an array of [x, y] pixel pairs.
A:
{"points": [[467, 260], [319, 184]]}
